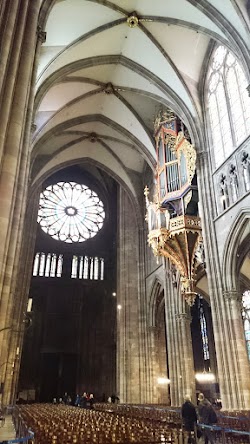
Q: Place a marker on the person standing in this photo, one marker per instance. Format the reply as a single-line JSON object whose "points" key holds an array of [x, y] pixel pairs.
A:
{"points": [[91, 401], [207, 416], [189, 416]]}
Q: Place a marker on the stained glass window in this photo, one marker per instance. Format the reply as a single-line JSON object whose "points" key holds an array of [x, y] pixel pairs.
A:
{"points": [[70, 212], [204, 335], [84, 267], [228, 104], [246, 318], [48, 265]]}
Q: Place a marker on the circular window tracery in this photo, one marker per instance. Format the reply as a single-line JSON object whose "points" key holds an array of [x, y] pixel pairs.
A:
{"points": [[70, 212]]}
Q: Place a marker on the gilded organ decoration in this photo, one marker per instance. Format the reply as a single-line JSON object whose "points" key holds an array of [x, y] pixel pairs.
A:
{"points": [[172, 215]]}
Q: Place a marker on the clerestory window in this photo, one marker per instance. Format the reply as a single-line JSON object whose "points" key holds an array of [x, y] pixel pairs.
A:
{"points": [[48, 265], [84, 267], [228, 104]]}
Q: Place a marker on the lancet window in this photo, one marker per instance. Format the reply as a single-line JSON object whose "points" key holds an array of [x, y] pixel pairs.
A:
{"points": [[246, 318], [204, 334], [228, 104], [48, 265], [84, 267]]}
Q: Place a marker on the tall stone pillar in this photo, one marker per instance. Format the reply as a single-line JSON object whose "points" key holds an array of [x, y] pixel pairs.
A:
{"points": [[21, 321], [179, 342], [153, 365], [237, 352], [231, 354], [20, 44], [132, 378]]}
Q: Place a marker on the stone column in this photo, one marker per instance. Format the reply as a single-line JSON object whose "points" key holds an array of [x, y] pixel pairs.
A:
{"points": [[20, 321], [132, 376], [16, 95], [233, 367], [144, 334], [236, 349], [179, 343], [153, 365], [186, 353]]}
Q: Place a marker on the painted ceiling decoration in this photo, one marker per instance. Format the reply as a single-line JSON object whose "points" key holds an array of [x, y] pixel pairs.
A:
{"points": [[108, 66]]}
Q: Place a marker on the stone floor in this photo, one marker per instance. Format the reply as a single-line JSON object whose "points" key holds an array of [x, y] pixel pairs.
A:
{"points": [[7, 430]]}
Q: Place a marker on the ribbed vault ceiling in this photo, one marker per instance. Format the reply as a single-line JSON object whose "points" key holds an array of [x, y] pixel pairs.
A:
{"points": [[100, 82]]}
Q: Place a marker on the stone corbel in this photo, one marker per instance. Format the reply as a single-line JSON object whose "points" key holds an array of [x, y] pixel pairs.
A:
{"points": [[202, 158], [41, 35], [33, 127], [233, 296], [183, 317]]}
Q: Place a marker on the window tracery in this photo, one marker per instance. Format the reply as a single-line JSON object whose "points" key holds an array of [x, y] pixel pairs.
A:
{"points": [[228, 104], [48, 265], [70, 212], [85, 267], [82, 267]]}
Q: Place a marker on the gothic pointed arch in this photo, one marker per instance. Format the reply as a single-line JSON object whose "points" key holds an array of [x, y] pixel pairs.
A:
{"points": [[237, 235], [156, 296]]}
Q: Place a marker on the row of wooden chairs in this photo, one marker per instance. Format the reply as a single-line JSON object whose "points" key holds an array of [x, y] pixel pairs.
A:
{"points": [[227, 420], [65, 425], [122, 424], [169, 415]]}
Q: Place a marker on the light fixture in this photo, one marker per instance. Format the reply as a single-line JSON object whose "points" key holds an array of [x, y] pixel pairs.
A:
{"points": [[114, 293], [205, 377], [29, 305], [163, 381], [119, 307]]}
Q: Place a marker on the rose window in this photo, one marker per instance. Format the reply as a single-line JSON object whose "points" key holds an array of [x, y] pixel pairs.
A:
{"points": [[70, 212]]}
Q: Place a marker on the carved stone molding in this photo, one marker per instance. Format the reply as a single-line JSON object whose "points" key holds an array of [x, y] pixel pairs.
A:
{"points": [[202, 157], [133, 20], [248, 90], [183, 317], [41, 35], [93, 137], [33, 127], [109, 89], [232, 295]]}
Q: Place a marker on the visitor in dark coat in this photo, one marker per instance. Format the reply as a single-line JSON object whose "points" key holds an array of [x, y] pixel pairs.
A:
{"points": [[188, 414], [206, 414]]}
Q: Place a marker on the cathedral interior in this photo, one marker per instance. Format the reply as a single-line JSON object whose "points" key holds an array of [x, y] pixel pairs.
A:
{"points": [[125, 201]]}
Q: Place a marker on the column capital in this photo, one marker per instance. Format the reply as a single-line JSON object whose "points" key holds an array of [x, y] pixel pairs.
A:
{"points": [[33, 127], [41, 35], [202, 156], [232, 295], [153, 329]]}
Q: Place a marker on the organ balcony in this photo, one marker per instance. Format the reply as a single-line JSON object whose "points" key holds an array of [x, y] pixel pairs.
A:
{"points": [[172, 215]]}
